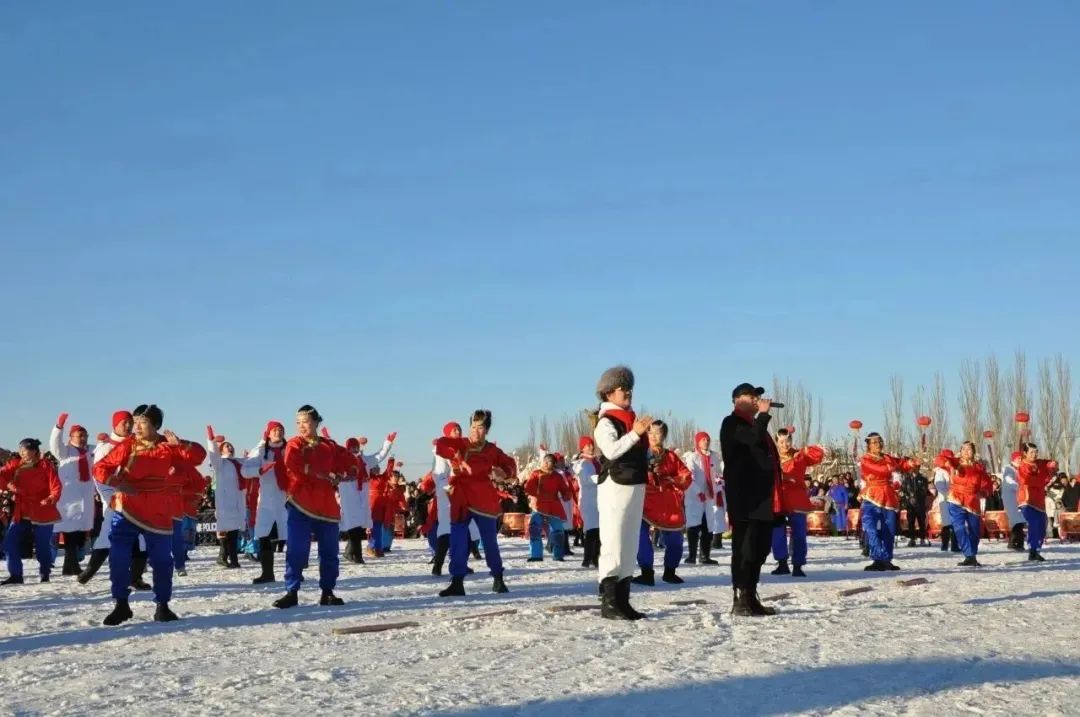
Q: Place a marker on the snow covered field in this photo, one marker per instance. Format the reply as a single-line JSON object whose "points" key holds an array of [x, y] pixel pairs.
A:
{"points": [[1002, 640]]}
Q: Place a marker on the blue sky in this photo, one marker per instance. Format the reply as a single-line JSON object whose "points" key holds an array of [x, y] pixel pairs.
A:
{"points": [[399, 212]]}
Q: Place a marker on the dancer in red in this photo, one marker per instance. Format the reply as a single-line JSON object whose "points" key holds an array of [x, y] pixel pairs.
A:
{"points": [[315, 465], [474, 498], [664, 509], [36, 487], [968, 482], [881, 503], [548, 492], [1034, 475], [143, 469], [794, 503]]}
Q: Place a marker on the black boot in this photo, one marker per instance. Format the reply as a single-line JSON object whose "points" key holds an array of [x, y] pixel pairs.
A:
{"points": [[566, 544], [647, 577], [474, 548], [138, 567], [692, 537], [954, 544], [289, 599], [741, 606], [911, 542], [756, 608], [969, 563], [878, 566], [442, 547], [72, 544], [455, 589], [97, 559], [232, 549], [330, 599], [797, 572], [121, 613], [706, 549], [266, 561], [498, 586], [782, 568], [609, 608], [670, 577], [1034, 555], [622, 600], [222, 555], [354, 547], [1017, 542], [164, 614], [13, 580], [718, 541]]}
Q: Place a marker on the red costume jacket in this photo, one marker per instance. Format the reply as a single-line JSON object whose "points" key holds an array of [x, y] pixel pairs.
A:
{"points": [[548, 491], [1033, 479], [427, 487], [474, 491], [967, 484], [385, 497], [877, 474], [32, 483], [309, 463], [668, 480], [149, 478], [794, 497]]}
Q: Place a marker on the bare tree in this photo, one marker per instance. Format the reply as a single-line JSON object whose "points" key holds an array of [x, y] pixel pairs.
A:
{"points": [[1065, 409], [970, 399], [894, 415], [939, 410], [999, 415], [1021, 398], [1051, 424]]}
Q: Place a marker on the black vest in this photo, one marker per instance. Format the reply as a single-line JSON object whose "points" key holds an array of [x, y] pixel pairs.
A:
{"points": [[632, 467]]}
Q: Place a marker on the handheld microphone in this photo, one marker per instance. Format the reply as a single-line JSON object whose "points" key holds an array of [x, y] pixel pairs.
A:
{"points": [[777, 404]]}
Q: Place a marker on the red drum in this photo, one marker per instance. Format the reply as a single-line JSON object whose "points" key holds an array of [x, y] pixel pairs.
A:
{"points": [[1069, 526], [514, 524], [853, 519], [933, 522], [818, 523], [996, 524]]}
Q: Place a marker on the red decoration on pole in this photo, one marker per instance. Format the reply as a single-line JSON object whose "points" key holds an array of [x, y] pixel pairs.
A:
{"points": [[924, 421], [855, 426], [988, 435], [1022, 417]]}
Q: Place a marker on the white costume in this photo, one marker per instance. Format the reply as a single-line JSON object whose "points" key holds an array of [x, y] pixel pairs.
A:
{"points": [[941, 485], [76, 503], [585, 472], [719, 506], [697, 508], [230, 507], [621, 506], [271, 509], [106, 493], [440, 473], [354, 496]]}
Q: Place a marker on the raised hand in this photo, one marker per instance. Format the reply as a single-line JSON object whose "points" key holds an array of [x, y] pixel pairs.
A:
{"points": [[642, 424], [210, 433], [325, 432], [103, 438], [392, 437], [61, 420], [171, 438]]}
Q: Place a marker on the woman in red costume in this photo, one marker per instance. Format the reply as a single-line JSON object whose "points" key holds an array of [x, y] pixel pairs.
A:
{"points": [[794, 503], [148, 470], [968, 482], [881, 503], [37, 489], [315, 465], [1033, 476], [665, 508]]}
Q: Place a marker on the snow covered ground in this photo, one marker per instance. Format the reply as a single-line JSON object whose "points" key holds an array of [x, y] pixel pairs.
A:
{"points": [[1000, 640]]}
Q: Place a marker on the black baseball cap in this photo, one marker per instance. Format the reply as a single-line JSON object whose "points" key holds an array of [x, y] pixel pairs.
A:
{"points": [[747, 388]]}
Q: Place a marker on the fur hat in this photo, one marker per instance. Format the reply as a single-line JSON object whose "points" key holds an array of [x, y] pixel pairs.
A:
{"points": [[120, 417], [615, 377]]}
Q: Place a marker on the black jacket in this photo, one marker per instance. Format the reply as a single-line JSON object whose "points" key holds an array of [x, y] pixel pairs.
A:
{"points": [[1070, 498], [751, 467], [914, 489]]}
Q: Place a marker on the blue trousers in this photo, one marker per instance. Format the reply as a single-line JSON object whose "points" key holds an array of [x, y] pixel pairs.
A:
{"points": [[797, 521], [433, 537], [179, 547], [673, 544], [1036, 527], [879, 527], [190, 526], [536, 535], [123, 536], [967, 527], [460, 542], [300, 528], [839, 520], [42, 547]]}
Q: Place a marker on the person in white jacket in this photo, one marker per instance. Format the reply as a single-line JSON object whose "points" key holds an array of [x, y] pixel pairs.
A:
{"points": [[271, 517], [586, 469], [122, 423], [353, 496], [76, 505], [699, 500], [941, 485], [621, 489], [1009, 487], [230, 508]]}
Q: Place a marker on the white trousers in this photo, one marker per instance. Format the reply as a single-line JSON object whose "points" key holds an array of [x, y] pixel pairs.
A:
{"points": [[620, 509]]}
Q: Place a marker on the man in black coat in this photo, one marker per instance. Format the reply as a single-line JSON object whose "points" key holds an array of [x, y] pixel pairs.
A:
{"points": [[751, 480], [914, 489]]}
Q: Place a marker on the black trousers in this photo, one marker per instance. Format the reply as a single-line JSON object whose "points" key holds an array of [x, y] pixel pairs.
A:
{"points": [[916, 517], [751, 541]]}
